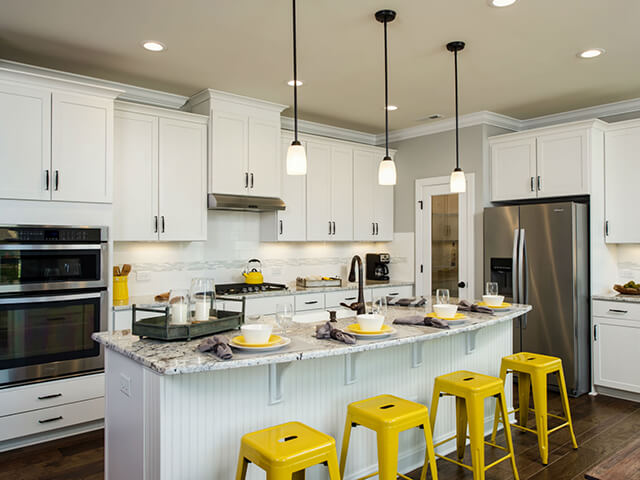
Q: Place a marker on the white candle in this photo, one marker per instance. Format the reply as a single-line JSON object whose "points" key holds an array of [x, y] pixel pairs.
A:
{"points": [[202, 311], [179, 313]]}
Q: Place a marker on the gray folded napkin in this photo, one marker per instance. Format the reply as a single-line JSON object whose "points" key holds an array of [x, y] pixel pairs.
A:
{"points": [[418, 320], [467, 306], [326, 330], [217, 345]]}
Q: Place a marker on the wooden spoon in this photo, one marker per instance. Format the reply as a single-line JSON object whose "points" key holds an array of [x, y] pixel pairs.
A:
{"points": [[126, 269], [116, 271]]}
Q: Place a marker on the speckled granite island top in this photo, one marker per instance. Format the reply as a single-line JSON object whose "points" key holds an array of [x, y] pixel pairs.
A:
{"points": [[617, 298], [171, 358]]}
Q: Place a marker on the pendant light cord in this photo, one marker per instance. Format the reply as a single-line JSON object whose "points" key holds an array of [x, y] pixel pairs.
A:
{"points": [[455, 57], [386, 93], [295, 76]]}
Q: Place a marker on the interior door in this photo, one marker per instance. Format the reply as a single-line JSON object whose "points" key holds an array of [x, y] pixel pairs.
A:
{"points": [[342, 193], [319, 225]]}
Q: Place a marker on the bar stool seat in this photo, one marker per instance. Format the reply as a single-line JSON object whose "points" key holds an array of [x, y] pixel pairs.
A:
{"points": [[470, 390], [389, 415], [532, 370], [286, 450]]}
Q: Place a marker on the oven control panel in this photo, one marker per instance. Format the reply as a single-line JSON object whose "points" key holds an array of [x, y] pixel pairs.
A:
{"points": [[46, 234]]}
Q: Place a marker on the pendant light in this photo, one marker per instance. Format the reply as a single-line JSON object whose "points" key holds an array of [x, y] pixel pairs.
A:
{"points": [[296, 156], [387, 168], [458, 182]]}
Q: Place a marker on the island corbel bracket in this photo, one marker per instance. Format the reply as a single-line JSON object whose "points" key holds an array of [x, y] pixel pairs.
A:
{"points": [[416, 354], [350, 373], [275, 381], [471, 341]]}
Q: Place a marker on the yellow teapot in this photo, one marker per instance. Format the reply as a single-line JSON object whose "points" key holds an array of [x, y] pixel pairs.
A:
{"points": [[253, 272]]}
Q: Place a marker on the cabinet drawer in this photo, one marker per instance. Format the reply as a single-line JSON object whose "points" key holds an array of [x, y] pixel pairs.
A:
{"points": [[620, 310], [311, 301], [38, 421], [49, 394], [264, 305], [333, 299], [404, 291]]}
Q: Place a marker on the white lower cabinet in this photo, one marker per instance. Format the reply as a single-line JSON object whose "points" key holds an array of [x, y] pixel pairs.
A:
{"points": [[309, 301], [616, 338], [334, 299], [263, 305], [404, 291]]}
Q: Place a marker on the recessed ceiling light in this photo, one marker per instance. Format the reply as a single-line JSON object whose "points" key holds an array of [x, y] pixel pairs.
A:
{"points": [[591, 53], [298, 82], [153, 46], [391, 108], [501, 3]]}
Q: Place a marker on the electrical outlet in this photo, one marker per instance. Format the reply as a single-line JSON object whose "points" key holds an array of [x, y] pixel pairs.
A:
{"points": [[143, 276], [125, 384]]}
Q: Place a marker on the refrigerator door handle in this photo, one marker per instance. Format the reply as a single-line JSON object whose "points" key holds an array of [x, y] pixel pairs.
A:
{"points": [[523, 273], [514, 273]]}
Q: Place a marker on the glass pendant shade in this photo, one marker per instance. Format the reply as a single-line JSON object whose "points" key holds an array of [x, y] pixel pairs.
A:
{"points": [[387, 172], [296, 159], [458, 182]]}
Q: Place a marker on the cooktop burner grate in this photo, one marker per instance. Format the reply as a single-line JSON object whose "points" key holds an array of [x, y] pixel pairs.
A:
{"points": [[241, 288]]}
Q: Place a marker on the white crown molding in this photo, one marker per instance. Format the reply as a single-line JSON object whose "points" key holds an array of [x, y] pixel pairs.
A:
{"points": [[145, 109], [218, 95], [127, 92], [322, 130]]}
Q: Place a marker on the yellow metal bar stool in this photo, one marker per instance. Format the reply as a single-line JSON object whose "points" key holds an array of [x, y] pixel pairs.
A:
{"points": [[532, 370], [470, 390], [388, 415], [286, 450]]}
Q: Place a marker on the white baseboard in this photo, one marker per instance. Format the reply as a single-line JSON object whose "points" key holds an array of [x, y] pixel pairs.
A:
{"points": [[50, 435], [613, 392]]}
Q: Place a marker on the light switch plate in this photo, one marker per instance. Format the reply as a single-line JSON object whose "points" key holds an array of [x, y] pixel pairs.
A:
{"points": [[125, 384]]}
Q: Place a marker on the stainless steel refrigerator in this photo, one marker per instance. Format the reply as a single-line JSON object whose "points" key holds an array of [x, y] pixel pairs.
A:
{"points": [[539, 255]]}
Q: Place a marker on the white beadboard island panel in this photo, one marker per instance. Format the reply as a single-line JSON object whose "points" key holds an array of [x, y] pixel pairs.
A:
{"points": [[193, 422]]}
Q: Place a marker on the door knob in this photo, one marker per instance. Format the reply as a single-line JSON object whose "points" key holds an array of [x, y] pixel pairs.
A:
{"points": [[461, 284]]}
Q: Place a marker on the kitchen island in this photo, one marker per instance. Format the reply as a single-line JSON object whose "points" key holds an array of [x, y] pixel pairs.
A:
{"points": [[175, 413]]}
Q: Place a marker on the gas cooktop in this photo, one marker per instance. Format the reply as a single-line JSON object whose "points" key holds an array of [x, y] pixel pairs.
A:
{"points": [[242, 288]]}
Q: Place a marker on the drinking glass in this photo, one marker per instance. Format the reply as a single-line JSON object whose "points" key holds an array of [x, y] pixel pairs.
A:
{"points": [[284, 316], [442, 296], [179, 303], [492, 288], [379, 305], [203, 295]]}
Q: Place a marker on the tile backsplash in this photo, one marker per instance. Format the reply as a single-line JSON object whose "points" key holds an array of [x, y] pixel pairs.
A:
{"points": [[628, 262], [233, 238]]}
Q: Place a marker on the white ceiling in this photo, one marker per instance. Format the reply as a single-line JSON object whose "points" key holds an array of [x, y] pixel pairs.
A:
{"points": [[519, 61]]}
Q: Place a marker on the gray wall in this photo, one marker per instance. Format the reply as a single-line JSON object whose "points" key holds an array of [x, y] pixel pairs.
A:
{"points": [[434, 156]]}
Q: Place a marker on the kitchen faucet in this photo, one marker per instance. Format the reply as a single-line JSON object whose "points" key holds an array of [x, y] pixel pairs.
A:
{"points": [[360, 305]]}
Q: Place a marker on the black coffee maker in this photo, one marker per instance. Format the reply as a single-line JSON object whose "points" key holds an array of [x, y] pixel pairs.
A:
{"points": [[377, 267]]}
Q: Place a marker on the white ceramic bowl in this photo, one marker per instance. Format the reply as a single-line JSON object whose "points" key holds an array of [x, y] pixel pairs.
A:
{"points": [[370, 322], [445, 310], [256, 333], [493, 300]]}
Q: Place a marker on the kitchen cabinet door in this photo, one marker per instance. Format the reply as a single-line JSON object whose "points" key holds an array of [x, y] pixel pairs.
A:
{"points": [[264, 158], [292, 222], [319, 219], [622, 178], [342, 193], [25, 142], [615, 353], [383, 209], [81, 148], [229, 172], [562, 164], [135, 199], [513, 170], [365, 181], [182, 180]]}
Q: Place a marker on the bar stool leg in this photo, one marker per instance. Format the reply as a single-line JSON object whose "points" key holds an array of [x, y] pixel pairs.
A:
{"points": [[565, 405], [332, 465], [430, 455], [345, 445], [241, 472], [496, 417], [388, 455], [461, 426], [502, 402], [279, 474], [540, 404], [524, 387], [475, 414], [434, 405]]}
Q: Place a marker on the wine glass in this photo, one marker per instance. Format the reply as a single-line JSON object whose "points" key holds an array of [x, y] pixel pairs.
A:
{"points": [[379, 305], [492, 288], [284, 316], [442, 296]]}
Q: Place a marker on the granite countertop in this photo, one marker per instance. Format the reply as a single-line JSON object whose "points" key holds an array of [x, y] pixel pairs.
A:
{"points": [[171, 358], [293, 289], [617, 297]]}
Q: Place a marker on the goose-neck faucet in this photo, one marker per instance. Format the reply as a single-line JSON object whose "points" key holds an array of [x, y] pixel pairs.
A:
{"points": [[352, 278]]}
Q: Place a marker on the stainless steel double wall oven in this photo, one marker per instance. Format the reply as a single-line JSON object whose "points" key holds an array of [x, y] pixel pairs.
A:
{"points": [[53, 296]]}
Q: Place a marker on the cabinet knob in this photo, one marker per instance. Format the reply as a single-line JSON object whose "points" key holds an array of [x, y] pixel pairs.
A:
{"points": [[461, 285]]}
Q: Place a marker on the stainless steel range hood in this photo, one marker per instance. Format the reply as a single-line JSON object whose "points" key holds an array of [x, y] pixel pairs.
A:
{"points": [[244, 203]]}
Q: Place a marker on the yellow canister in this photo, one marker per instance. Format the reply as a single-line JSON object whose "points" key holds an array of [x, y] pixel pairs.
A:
{"points": [[120, 290]]}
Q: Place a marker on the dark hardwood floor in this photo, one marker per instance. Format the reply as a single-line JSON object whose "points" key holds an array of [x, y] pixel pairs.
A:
{"points": [[603, 426]]}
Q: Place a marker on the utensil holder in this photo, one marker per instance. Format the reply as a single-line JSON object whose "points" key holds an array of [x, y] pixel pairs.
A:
{"points": [[120, 290]]}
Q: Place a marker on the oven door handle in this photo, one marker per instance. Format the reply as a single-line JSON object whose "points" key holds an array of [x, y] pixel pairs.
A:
{"points": [[22, 246], [51, 298]]}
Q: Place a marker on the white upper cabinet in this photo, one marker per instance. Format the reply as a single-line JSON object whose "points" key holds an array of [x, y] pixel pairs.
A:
{"points": [[244, 143], [513, 170], [319, 226], [543, 163], [81, 148], [372, 203], [341, 193], [25, 142], [56, 139], [622, 179], [160, 171]]}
